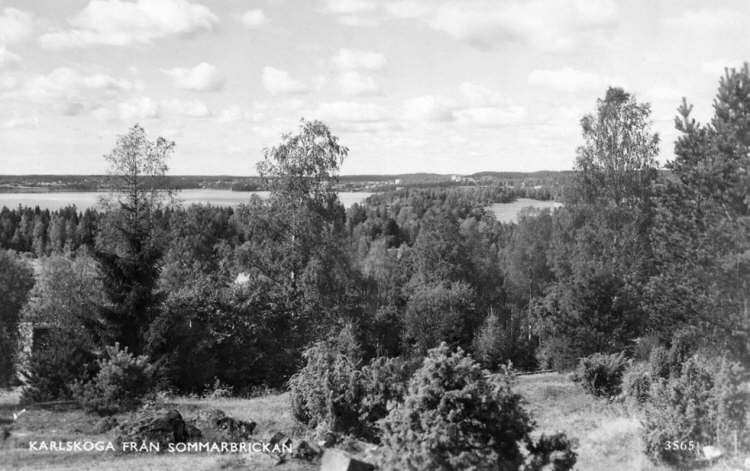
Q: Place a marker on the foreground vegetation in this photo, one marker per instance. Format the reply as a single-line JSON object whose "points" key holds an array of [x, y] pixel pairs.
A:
{"points": [[608, 438]]}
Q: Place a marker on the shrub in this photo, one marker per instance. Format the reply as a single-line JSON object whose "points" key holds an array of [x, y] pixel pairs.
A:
{"points": [[381, 383], [557, 354], [601, 374], [703, 404], [122, 383], [659, 363], [54, 365], [491, 343], [332, 393], [636, 383], [550, 453], [455, 416]]}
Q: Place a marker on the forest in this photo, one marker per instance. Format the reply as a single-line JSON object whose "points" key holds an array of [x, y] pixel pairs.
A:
{"points": [[403, 320]]}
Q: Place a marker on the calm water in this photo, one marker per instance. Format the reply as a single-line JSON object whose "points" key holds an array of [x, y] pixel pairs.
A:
{"points": [[508, 212], [83, 200]]}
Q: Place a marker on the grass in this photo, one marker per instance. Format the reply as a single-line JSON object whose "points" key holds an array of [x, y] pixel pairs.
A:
{"points": [[608, 437]]}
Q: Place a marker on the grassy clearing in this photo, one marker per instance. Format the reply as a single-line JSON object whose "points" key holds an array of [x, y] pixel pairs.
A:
{"points": [[608, 438]]}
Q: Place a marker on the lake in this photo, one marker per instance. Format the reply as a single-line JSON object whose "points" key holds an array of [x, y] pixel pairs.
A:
{"points": [[508, 212], [83, 200]]}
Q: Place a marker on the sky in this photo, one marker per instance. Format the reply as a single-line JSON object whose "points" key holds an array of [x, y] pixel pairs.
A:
{"points": [[408, 85]]}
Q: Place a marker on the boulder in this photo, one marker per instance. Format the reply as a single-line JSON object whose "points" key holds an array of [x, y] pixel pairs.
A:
{"points": [[280, 438], [215, 426], [304, 450], [105, 424], [338, 460], [154, 426]]}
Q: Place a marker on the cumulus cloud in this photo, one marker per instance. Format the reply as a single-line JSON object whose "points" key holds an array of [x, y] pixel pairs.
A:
{"points": [[478, 95], [473, 106], [407, 9], [8, 60], [348, 7], [69, 92], [350, 59], [189, 108], [138, 109], [717, 66], [121, 23], [29, 122], [253, 18], [706, 20], [15, 25], [491, 116], [352, 12], [568, 79], [547, 25], [429, 108], [203, 77], [346, 111], [233, 114], [356, 84], [279, 82], [7, 82]]}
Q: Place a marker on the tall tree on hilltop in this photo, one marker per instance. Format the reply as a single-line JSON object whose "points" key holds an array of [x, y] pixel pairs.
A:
{"points": [[129, 245], [600, 249], [702, 236]]}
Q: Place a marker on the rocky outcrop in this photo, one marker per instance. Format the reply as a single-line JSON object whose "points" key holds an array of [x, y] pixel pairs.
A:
{"points": [[215, 426], [156, 426]]}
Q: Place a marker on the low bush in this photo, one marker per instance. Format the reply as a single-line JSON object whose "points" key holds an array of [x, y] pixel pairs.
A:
{"points": [[455, 415], [550, 452], [122, 383], [636, 383], [333, 393], [659, 363], [601, 374], [703, 404], [54, 365]]}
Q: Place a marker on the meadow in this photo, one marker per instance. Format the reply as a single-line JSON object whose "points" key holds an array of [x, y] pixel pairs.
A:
{"points": [[608, 436]]}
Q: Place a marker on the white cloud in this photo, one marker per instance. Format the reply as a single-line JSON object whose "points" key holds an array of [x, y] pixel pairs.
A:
{"points": [[8, 60], [7, 82], [189, 108], [203, 77], [233, 114], [15, 25], [478, 96], [279, 82], [348, 7], [22, 122], [491, 116], [706, 20], [486, 23], [717, 66], [352, 12], [355, 84], [349, 59], [70, 92], [568, 79], [406, 9], [345, 111], [429, 108], [253, 18], [121, 23], [138, 108]]}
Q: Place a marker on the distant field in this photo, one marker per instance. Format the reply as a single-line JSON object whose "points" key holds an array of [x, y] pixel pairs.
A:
{"points": [[608, 438], [508, 212]]}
